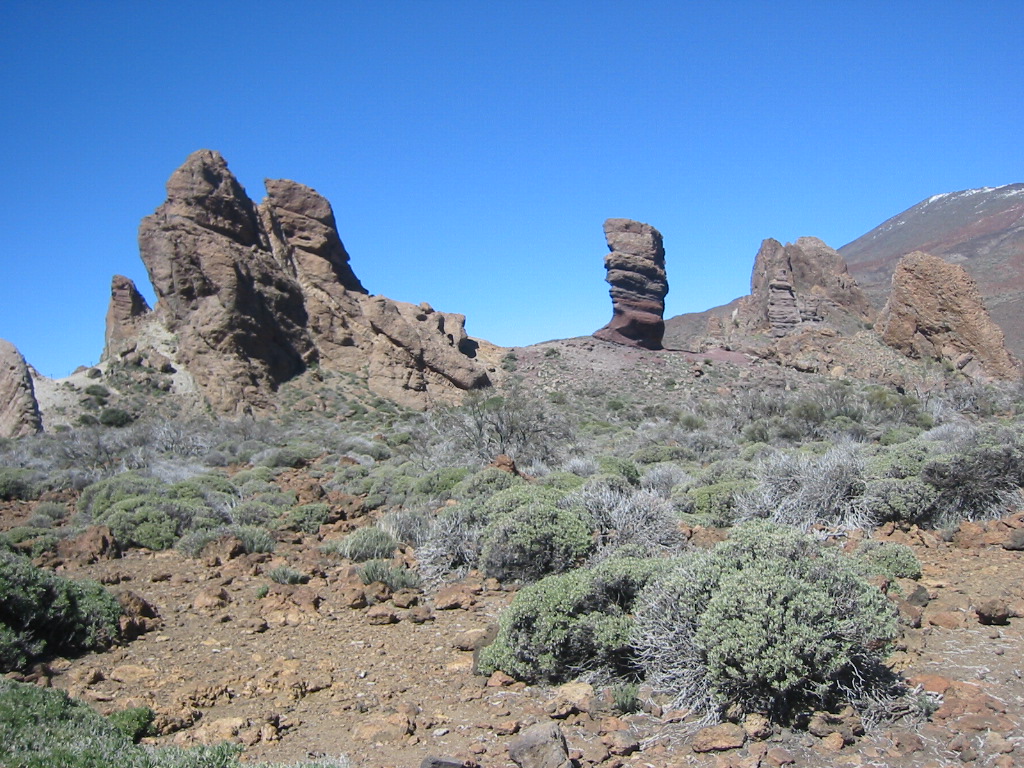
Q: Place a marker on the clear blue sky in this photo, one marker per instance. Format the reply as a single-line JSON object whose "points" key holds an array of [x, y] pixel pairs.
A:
{"points": [[473, 149]]}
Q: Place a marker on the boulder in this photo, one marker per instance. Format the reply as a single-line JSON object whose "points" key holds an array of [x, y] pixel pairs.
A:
{"points": [[19, 410], [540, 746], [935, 312], [636, 273]]}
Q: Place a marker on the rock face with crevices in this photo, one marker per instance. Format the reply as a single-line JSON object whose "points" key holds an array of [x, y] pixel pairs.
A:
{"points": [[636, 273], [19, 411], [127, 306], [936, 312], [256, 294]]}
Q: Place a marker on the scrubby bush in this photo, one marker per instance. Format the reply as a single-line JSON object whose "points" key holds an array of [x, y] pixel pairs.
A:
{"points": [[571, 623], [452, 544], [612, 465], [100, 496], [307, 518], [42, 613], [639, 523], [283, 574], [133, 722], [396, 577], [17, 483], [890, 559], [115, 417], [769, 621], [716, 504], [534, 540], [367, 543], [483, 484], [407, 526], [662, 478], [44, 728], [903, 500], [46, 513], [803, 491], [439, 483]]}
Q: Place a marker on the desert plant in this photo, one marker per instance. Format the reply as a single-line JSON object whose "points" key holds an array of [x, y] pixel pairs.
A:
{"points": [[890, 559], [16, 483], [367, 543], [395, 577], [408, 526], [307, 518], [638, 522], [802, 490], [534, 540], [133, 722], [570, 623], [42, 613], [769, 621], [115, 417], [282, 574]]}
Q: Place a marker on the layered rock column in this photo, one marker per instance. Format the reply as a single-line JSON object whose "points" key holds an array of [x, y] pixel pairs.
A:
{"points": [[636, 273]]}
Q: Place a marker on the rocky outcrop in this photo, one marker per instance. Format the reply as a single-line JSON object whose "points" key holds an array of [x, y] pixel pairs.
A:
{"points": [[127, 307], [19, 411], [935, 312], [256, 294], [636, 273], [801, 282]]}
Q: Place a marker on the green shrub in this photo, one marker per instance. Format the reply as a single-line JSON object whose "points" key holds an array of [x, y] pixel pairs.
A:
{"points": [[439, 483], [115, 417], [100, 496], [890, 559], [716, 504], [153, 521], [282, 574], [407, 526], [253, 538], [483, 484], [769, 621], [291, 457], [97, 390], [908, 499], [42, 613], [571, 623], [307, 518], [613, 465], [46, 513], [133, 722], [534, 540], [395, 577], [17, 483], [368, 543], [35, 541]]}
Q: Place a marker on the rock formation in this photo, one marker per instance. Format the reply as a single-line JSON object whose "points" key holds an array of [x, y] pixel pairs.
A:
{"points": [[636, 273], [126, 307], [256, 294], [19, 411], [801, 282], [935, 312]]}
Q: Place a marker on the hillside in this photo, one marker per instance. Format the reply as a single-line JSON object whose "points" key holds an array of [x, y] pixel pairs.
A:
{"points": [[980, 229]]}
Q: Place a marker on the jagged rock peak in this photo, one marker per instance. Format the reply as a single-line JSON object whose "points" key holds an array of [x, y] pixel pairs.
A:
{"points": [[935, 312], [127, 305], [805, 281], [636, 273], [253, 295], [19, 411], [304, 219]]}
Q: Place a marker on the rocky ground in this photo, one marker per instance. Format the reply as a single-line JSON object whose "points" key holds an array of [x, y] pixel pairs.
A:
{"points": [[334, 667]]}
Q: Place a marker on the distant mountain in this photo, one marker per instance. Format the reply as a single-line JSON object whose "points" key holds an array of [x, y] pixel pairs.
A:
{"points": [[980, 229]]}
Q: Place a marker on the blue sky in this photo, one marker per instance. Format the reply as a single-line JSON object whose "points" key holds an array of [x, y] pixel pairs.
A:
{"points": [[472, 150]]}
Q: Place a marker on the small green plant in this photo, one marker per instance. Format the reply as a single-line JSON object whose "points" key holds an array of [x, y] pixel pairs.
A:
{"points": [[534, 540], [769, 621], [510, 362], [395, 577], [572, 622], [97, 390], [42, 613], [16, 484], [624, 698], [368, 543], [262, 591], [890, 559], [307, 518], [134, 722], [115, 417], [282, 574]]}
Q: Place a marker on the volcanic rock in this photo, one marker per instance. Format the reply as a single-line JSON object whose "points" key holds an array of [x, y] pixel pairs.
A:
{"points": [[935, 312], [636, 273], [19, 411], [127, 305], [800, 282], [254, 295]]}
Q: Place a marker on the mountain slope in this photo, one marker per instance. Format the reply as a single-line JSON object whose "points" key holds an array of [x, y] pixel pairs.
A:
{"points": [[980, 229]]}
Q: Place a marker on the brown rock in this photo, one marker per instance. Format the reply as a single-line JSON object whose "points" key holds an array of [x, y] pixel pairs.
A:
{"points": [[389, 728], [636, 273], [126, 308], [779, 756], [935, 312], [718, 738], [381, 615], [833, 742], [211, 598], [94, 543], [570, 699], [540, 746], [946, 619], [256, 294], [453, 597], [472, 639], [994, 611], [620, 743], [19, 411]]}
